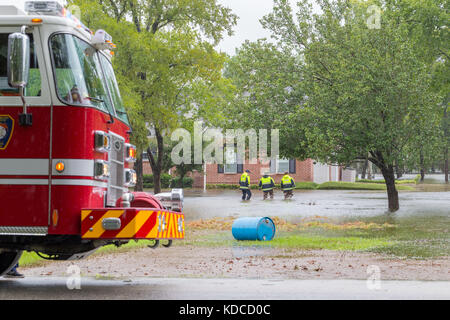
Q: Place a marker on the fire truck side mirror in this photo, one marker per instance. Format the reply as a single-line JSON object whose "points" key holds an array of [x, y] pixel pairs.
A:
{"points": [[18, 68], [18, 59]]}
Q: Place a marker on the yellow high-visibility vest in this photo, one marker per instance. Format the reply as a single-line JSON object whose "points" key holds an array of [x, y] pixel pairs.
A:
{"points": [[267, 184], [244, 183], [287, 183]]}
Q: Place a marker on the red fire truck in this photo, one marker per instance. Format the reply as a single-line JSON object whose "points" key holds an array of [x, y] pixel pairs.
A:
{"points": [[65, 154]]}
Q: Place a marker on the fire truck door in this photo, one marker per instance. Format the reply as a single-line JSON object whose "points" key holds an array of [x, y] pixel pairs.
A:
{"points": [[25, 150]]}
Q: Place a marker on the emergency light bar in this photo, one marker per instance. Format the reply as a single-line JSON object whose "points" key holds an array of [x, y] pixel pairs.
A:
{"points": [[51, 8], [103, 41]]}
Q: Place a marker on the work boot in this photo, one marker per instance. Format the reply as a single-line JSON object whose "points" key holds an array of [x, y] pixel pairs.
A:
{"points": [[14, 274]]}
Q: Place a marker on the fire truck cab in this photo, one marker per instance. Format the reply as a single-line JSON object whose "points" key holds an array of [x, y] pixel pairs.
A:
{"points": [[65, 154]]}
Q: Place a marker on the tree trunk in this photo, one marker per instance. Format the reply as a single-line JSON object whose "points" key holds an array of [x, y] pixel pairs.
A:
{"points": [[369, 171], [389, 177], [364, 169], [422, 167], [398, 171], [157, 163], [446, 134], [446, 165], [157, 182], [138, 167], [181, 179]]}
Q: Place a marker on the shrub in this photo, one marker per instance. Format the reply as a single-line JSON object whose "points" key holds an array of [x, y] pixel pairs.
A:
{"points": [[165, 180], [187, 182], [148, 181]]}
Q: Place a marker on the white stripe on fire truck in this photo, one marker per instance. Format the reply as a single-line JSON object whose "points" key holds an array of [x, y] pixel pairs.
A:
{"points": [[24, 167], [74, 167], [55, 182], [79, 182], [33, 182], [39, 167]]}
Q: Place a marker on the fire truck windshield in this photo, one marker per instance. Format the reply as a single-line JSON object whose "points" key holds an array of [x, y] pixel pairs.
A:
{"points": [[113, 89], [81, 78]]}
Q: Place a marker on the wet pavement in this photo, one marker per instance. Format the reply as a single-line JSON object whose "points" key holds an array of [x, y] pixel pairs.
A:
{"points": [[339, 204], [54, 288]]}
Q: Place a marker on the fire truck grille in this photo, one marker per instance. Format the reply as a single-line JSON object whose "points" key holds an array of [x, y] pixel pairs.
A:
{"points": [[116, 165]]}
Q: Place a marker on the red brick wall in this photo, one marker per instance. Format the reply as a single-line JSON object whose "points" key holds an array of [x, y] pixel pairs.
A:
{"points": [[146, 167], [304, 172]]}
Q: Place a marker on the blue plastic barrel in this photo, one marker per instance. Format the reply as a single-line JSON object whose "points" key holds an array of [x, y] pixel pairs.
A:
{"points": [[259, 228]]}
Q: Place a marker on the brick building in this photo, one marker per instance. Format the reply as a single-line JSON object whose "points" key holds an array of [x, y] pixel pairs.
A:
{"points": [[307, 170]]}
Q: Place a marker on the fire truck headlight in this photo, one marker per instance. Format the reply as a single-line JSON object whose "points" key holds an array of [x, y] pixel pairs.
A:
{"points": [[130, 153], [101, 170], [130, 178], [102, 141]]}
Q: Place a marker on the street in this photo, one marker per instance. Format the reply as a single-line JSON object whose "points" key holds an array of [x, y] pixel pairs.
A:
{"points": [[56, 288]]}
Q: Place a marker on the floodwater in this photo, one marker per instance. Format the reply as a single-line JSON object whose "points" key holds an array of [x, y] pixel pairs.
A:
{"points": [[421, 225], [427, 200]]}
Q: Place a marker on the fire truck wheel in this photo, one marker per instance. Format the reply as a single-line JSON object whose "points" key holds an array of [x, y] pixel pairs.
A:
{"points": [[8, 260]]}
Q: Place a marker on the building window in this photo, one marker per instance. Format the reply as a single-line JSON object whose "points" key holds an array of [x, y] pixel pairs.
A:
{"points": [[280, 166], [230, 165]]}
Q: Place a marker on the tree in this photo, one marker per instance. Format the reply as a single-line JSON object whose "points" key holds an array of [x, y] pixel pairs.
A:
{"points": [[364, 91], [428, 29], [163, 56], [267, 93]]}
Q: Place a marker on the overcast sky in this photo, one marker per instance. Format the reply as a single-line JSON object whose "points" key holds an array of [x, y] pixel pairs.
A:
{"points": [[248, 26]]}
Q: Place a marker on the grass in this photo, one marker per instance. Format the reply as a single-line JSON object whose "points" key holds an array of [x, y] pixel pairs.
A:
{"points": [[413, 237], [30, 259], [306, 185], [338, 185], [407, 237], [382, 181], [292, 240]]}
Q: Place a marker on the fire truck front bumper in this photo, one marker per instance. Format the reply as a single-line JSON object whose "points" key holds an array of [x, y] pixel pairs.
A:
{"points": [[131, 223]]}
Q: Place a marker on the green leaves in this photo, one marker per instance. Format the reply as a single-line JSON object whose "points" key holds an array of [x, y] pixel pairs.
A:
{"points": [[354, 89], [166, 68]]}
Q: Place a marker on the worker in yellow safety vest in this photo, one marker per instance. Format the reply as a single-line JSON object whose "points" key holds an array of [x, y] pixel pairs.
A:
{"points": [[267, 184], [244, 185], [287, 185]]}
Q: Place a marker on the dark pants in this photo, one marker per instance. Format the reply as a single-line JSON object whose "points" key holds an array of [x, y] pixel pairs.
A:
{"points": [[267, 194], [288, 194], [246, 194]]}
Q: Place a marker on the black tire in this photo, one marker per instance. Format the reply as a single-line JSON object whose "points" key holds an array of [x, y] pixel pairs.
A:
{"points": [[8, 260]]}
